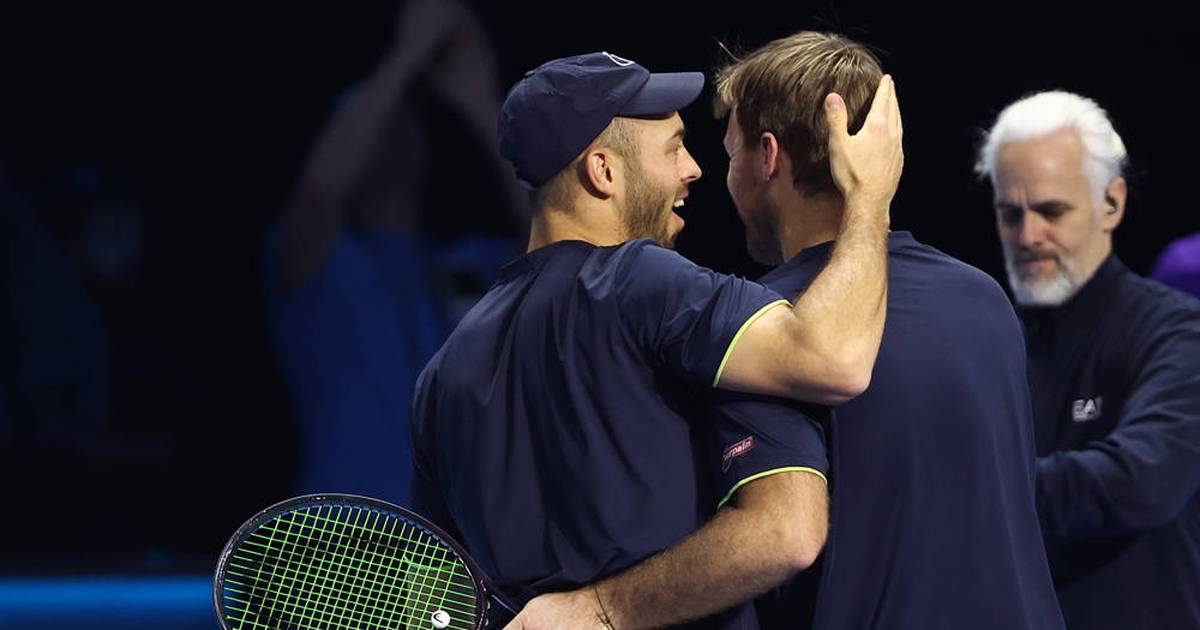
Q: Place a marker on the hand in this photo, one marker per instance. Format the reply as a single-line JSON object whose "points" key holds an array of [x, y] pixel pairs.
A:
{"points": [[554, 611], [450, 44], [465, 63], [866, 166]]}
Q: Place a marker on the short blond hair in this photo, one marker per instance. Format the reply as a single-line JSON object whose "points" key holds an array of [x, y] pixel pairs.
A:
{"points": [[781, 88]]}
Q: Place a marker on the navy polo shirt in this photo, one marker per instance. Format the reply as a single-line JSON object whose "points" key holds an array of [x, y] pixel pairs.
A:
{"points": [[932, 515], [552, 432], [748, 437]]}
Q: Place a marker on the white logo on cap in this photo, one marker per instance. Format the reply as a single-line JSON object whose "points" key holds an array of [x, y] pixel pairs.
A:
{"points": [[620, 61]]}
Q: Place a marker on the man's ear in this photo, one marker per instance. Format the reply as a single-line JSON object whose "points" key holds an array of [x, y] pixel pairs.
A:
{"points": [[768, 146], [601, 169], [1113, 210]]}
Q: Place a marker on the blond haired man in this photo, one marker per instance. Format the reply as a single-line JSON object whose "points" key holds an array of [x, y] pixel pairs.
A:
{"points": [[932, 519]]}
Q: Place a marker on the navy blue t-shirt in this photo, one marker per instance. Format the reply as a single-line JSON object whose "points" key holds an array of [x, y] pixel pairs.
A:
{"points": [[552, 431], [932, 515]]}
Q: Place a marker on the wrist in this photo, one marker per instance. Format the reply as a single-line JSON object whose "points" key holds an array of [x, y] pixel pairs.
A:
{"points": [[603, 618], [867, 211]]}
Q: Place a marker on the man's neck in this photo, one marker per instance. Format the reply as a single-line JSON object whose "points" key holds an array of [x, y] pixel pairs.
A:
{"points": [[808, 221], [1096, 261], [597, 226]]}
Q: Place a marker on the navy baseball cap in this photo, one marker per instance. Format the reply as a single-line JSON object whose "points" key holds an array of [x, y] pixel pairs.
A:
{"points": [[558, 109]]}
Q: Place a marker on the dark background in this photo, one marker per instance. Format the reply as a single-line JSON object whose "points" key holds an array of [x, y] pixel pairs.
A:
{"points": [[204, 112]]}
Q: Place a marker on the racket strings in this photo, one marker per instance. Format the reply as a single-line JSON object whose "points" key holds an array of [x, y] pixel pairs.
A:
{"points": [[343, 554], [324, 593], [335, 567]]}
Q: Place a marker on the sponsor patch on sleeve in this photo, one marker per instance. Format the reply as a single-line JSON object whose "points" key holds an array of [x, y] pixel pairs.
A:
{"points": [[736, 450]]}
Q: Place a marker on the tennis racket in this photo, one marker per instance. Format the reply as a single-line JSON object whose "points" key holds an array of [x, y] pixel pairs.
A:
{"points": [[337, 561]]}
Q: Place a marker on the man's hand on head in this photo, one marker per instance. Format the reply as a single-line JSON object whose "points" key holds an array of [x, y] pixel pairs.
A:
{"points": [[866, 166]]}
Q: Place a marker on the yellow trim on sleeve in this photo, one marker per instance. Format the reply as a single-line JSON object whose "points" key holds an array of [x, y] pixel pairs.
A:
{"points": [[768, 473], [728, 351]]}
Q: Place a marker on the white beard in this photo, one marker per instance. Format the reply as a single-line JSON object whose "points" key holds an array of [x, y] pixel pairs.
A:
{"points": [[1052, 291]]}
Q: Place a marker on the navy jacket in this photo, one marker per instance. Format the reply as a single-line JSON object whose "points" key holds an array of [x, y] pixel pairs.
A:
{"points": [[1115, 377]]}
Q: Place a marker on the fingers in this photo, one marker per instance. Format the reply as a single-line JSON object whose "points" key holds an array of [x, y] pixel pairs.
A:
{"points": [[885, 111], [883, 105], [895, 111], [835, 117]]}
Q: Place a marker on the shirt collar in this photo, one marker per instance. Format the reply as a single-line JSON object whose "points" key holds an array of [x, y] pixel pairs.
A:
{"points": [[1092, 299]]}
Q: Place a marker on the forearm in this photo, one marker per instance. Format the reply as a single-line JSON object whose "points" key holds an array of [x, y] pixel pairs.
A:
{"points": [[349, 142], [1142, 474], [1123, 484], [695, 578], [840, 316], [474, 96], [337, 163], [842, 311], [776, 527], [741, 553]]}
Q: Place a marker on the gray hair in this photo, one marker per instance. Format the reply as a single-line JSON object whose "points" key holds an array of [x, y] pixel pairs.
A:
{"points": [[1047, 112]]}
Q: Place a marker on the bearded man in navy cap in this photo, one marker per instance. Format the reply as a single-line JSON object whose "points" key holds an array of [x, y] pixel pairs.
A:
{"points": [[552, 433]]}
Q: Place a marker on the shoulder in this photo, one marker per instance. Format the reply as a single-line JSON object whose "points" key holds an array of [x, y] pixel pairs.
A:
{"points": [[639, 269], [1161, 308], [1149, 323], [427, 379], [645, 256], [930, 267]]}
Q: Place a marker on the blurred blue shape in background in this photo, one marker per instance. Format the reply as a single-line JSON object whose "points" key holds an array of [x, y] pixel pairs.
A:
{"points": [[107, 602]]}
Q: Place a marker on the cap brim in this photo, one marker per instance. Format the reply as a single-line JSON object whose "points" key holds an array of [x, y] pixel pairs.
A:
{"points": [[664, 93]]}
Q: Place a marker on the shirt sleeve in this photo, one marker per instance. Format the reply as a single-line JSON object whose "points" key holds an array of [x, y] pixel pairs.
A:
{"points": [[1144, 472], [427, 498], [748, 437], [689, 316]]}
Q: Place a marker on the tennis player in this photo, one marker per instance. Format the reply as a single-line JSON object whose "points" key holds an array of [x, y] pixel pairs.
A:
{"points": [[933, 522]]}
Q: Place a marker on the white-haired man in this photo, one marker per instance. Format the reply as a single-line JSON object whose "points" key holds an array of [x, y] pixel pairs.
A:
{"points": [[1114, 368]]}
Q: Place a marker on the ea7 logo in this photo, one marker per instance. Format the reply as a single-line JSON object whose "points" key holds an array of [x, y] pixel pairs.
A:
{"points": [[736, 450], [620, 61], [1086, 409]]}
